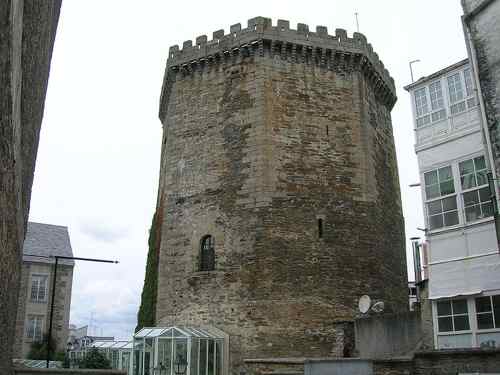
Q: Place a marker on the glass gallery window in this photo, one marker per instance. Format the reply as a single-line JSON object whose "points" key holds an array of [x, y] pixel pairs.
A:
{"points": [[160, 350], [476, 192], [441, 201], [488, 312], [452, 315], [433, 95], [461, 91]]}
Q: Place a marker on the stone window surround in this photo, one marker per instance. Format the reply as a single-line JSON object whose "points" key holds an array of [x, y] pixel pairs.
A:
{"points": [[37, 277], [38, 321]]}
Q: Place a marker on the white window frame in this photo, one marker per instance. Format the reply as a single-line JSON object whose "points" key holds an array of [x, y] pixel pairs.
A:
{"points": [[459, 194], [474, 188], [454, 332], [38, 278], [38, 322], [422, 107], [438, 112], [492, 312], [441, 198]]}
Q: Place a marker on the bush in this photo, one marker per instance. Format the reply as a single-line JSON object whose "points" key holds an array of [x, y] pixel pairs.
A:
{"points": [[38, 350], [94, 360]]}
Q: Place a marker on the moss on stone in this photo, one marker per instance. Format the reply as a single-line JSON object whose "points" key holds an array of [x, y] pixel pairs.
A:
{"points": [[147, 310]]}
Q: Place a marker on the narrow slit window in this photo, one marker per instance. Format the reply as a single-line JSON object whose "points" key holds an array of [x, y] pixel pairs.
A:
{"points": [[207, 254], [320, 228]]}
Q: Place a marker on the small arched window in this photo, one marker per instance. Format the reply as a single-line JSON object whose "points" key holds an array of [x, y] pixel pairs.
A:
{"points": [[207, 253]]}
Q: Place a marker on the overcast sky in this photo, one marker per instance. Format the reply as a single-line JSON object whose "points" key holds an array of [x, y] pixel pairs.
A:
{"points": [[99, 155]]}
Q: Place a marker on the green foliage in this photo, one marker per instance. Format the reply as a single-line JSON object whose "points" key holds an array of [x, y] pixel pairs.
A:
{"points": [[147, 310], [38, 350], [94, 360]]}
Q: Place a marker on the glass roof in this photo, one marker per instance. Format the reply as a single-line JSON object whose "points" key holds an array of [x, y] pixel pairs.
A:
{"points": [[112, 344], [176, 332]]}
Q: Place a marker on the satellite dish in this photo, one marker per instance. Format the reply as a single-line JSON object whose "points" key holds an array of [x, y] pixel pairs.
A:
{"points": [[364, 304], [378, 307]]}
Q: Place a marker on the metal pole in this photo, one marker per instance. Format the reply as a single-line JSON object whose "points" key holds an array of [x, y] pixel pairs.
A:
{"points": [[357, 22], [57, 257], [411, 69], [49, 336]]}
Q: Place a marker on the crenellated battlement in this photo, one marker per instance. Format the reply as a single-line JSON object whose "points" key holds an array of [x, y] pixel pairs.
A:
{"points": [[260, 34]]}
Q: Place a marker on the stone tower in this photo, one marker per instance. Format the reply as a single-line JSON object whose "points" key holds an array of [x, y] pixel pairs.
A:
{"points": [[279, 201]]}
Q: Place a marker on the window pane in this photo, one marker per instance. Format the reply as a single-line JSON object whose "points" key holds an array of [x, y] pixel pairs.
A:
{"points": [[483, 304], [439, 115], [484, 194], [434, 207], [431, 178], [459, 306], [194, 356], [480, 163], [455, 88], [449, 203], [445, 324], [487, 209], [421, 102], [432, 191], [471, 198], [444, 308], [485, 321], [461, 322], [482, 178], [445, 174], [496, 310], [165, 348], [436, 95], [468, 181], [466, 167], [211, 357], [468, 82], [203, 357], [472, 213], [436, 221], [218, 358], [447, 187], [34, 290], [451, 218], [457, 108]]}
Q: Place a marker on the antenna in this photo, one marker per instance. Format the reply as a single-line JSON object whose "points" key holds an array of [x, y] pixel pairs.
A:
{"points": [[378, 307], [364, 304], [357, 21]]}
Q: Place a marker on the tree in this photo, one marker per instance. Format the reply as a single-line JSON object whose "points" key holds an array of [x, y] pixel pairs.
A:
{"points": [[94, 360]]}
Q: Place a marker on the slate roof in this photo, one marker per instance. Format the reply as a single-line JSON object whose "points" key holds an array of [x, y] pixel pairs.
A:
{"points": [[45, 240]]}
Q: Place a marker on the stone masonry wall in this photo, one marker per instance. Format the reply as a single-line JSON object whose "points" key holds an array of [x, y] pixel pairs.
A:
{"points": [[257, 148], [27, 31], [483, 19], [61, 306]]}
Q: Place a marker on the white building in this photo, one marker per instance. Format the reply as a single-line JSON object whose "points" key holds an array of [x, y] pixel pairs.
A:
{"points": [[464, 261]]}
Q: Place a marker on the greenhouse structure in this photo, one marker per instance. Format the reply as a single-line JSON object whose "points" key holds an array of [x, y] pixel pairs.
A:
{"points": [[119, 354], [179, 351]]}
